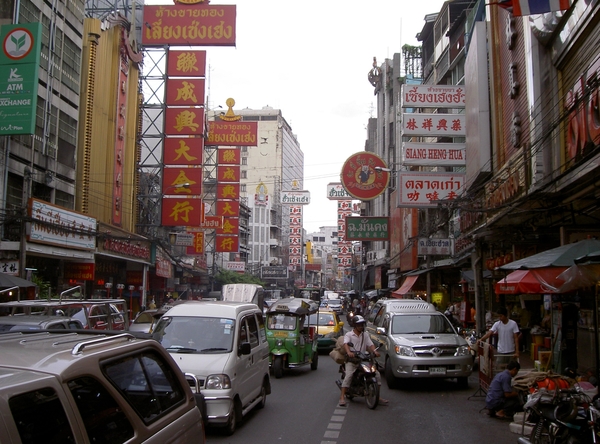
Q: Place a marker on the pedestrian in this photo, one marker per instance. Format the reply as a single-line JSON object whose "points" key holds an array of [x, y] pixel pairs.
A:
{"points": [[152, 304], [508, 335], [502, 399]]}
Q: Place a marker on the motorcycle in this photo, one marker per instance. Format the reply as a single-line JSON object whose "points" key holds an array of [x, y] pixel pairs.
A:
{"points": [[562, 416], [364, 380]]}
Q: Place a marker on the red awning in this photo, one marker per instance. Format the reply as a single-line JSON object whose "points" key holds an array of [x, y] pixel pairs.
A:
{"points": [[534, 281], [406, 286]]}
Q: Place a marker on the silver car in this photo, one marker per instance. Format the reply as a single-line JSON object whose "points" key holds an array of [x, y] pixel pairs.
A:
{"points": [[417, 341]]}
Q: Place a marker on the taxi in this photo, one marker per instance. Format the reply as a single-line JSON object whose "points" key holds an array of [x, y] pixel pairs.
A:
{"points": [[329, 328]]}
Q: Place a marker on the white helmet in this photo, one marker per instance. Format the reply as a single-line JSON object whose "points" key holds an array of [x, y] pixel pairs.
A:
{"points": [[358, 319]]}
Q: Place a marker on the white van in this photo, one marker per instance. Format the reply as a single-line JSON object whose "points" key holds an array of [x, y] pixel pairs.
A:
{"points": [[222, 349], [417, 341]]}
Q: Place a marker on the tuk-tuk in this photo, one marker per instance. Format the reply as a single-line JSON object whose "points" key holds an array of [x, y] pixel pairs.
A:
{"points": [[292, 340]]}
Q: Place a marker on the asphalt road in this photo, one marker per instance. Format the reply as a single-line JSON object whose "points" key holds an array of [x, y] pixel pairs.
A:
{"points": [[303, 409]]}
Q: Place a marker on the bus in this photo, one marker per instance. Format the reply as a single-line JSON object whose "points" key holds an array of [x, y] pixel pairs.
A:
{"points": [[313, 293]]}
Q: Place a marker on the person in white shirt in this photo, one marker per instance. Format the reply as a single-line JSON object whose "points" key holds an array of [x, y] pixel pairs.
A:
{"points": [[508, 334], [361, 342]]}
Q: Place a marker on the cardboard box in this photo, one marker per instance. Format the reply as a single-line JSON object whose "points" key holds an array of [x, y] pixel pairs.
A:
{"points": [[544, 358]]}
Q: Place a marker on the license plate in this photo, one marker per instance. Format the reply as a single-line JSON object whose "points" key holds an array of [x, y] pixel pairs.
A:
{"points": [[437, 370]]}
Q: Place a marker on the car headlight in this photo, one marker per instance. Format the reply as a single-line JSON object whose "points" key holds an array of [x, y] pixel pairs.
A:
{"points": [[405, 351], [463, 350], [279, 343], [218, 382]]}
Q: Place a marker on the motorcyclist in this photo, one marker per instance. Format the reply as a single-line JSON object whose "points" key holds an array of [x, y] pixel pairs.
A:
{"points": [[361, 343]]}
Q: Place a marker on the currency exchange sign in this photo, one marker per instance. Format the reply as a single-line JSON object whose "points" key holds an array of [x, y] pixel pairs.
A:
{"points": [[19, 66]]}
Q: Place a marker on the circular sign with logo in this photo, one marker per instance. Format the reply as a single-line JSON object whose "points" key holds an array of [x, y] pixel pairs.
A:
{"points": [[364, 175], [18, 43]]}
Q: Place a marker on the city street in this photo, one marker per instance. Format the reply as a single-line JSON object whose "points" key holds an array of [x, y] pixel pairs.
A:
{"points": [[303, 409]]}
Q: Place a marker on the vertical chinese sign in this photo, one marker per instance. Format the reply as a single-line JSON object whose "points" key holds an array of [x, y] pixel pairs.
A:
{"points": [[228, 200], [186, 25], [19, 66]]}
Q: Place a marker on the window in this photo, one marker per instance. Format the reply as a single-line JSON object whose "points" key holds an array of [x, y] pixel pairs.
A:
{"points": [[243, 187], [261, 329], [244, 174], [252, 330], [102, 416], [40, 417], [147, 383], [244, 161]]}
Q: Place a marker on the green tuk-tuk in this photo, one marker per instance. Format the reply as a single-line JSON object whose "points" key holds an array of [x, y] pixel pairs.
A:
{"points": [[292, 340]]}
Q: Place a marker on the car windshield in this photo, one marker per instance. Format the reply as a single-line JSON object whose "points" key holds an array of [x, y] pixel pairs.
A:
{"points": [[422, 323], [195, 334], [322, 318], [144, 318], [281, 322]]}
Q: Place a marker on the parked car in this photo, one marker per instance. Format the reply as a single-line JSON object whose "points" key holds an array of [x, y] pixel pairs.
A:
{"points": [[222, 349], [417, 341], [80, 387], [329, 329], [38, 322], [96, 314], [146, 320]]}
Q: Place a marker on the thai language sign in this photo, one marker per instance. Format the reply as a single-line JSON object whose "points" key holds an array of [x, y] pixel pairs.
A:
{"points": [[19, 67], [421, 124], [428, 246], [196, 25], [295, 197], [427, 189], [274, 272], [433, 96], [367, 228], [232, 133], [57, 226], [434, 154], [336, 191]]}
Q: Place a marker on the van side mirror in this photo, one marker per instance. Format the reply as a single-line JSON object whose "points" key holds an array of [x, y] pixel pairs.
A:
{"points": [[380, 330], [244, 349]]}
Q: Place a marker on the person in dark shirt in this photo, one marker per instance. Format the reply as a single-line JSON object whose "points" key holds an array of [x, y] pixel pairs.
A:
{"points": [[502, 399]]}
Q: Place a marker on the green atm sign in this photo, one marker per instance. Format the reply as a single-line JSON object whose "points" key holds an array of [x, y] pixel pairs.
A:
{"points": [[19, 66]]}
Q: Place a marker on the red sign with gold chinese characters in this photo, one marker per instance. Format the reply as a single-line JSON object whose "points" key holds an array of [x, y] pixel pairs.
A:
{"points": [[363, 175], [228, 156], [231, 225], [232, 133], [184, 121], [228, 191], [182, 181], [183, 150], [198, 247], [182, 92], [228, 208], [186, 63], [198, 25], [227, 244], [228, 173], [181, 211]]}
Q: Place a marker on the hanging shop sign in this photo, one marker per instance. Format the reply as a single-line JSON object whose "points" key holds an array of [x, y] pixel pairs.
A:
{"points": [[197, 245], [183, 151], [429, 247], [365, 175], [115, 241], [19, 68], [239, 267], [197, 25], [182, 181], [433, 96], [428, 189], [336, 191], [57, 226], [367, 229], [295, 197], [181, 211], [232, 133], [274, 272], [442, 125], [434, 154], [186, 63], [182, 92]]}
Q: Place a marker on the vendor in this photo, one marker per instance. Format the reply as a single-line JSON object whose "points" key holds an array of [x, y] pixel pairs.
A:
{"points": [[502, 400]]}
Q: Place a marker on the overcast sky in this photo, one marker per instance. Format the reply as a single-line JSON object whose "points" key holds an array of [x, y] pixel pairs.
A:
{"points": [[311, 60]]}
